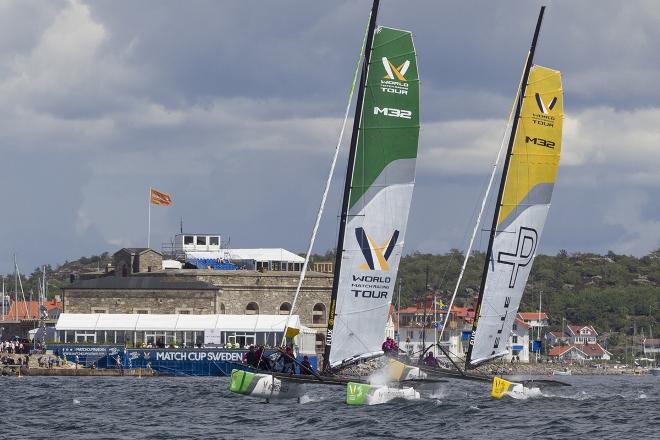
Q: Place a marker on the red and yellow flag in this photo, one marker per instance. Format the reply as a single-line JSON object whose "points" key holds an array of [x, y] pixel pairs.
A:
{"points": [[160, 198]]}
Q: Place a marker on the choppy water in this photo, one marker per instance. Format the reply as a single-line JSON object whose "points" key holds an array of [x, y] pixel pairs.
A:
{"points": [[202, 408]]}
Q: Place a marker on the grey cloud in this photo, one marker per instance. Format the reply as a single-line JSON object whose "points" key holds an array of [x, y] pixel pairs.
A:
{"points": [[234, 108]]}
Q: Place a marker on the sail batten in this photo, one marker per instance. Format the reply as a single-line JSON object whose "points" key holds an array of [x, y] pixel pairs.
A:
{"points": [[380, 192]]}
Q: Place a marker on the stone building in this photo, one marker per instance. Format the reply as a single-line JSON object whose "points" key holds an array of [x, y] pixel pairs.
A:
{"points": [[203, 291], [138, 294], [129, 261]]}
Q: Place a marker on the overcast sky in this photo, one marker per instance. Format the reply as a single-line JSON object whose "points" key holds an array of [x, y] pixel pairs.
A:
{"points": [[235, 108]]}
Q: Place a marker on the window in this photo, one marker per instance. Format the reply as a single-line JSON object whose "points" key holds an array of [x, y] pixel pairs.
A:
{"points": [[183, 311], [99, 310], [514, 339], [320, 342], [201, 240], [141, 311], [285, 308], [252, 309], [318, 314], [222, 309], [124, 270], [188, 239], [214, 241], [85, 336], [515, 326]]}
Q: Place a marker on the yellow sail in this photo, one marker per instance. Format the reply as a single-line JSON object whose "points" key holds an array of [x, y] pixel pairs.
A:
{"points": [[535, 156]]}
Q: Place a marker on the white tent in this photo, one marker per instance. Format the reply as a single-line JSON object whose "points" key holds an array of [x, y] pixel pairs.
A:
{"points": [[211, 324]]}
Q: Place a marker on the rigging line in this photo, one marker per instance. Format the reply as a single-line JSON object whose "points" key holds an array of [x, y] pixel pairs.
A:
{"points": [[483, 205], [327, 186]]}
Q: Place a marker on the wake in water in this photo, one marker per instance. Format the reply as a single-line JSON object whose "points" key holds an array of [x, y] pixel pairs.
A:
{"points": [[306, 398]]}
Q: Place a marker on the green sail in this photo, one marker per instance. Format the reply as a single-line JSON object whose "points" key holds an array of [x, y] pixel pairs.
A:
{"points": [[389, 128], [382, 183]]}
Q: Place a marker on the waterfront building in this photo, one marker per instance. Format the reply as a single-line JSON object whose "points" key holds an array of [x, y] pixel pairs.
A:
{"points": [[651, 346], [576, 343], [29, 310], [581, 334], [579, 352], [418, 326], [180, 331], [518, 344], [138, 285]]}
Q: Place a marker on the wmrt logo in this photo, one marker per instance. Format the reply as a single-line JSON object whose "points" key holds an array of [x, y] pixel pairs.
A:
{"points": [[545, 109], [373, 253], [395, 72], [522, 256]]}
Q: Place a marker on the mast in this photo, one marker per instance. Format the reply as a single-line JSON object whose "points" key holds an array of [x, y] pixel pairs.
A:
{"points": [[15, 288], [348, 182], [505, 169]]}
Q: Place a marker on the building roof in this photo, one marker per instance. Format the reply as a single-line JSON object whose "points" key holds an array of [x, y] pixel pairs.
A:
{"points": [[28, 309], [648, 342], [562, 349], [277, 254], [592, 350], [522, 324], [588, 350], [139, 283], [557, 335], [529, 316], [171, 322], [574, 330], [137, 250]]}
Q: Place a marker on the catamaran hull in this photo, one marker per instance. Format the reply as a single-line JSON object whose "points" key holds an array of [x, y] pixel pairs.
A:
{"points": [[521, 392], [364, 394], [504, 388], [265, 386]]}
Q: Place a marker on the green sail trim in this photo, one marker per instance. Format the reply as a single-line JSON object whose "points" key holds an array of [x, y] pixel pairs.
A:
{"points": [[389, 126]]}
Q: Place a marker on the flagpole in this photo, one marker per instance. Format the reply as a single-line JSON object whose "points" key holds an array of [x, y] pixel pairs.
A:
{"points": [[149, 222]]}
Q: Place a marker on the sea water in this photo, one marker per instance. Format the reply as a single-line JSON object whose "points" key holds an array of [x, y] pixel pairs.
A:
{"points": [[595, 407]]}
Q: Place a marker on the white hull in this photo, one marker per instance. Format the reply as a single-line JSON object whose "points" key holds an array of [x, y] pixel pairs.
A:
{"points": [[264, 386], [520, 392], [384, 394], [562, 373]]}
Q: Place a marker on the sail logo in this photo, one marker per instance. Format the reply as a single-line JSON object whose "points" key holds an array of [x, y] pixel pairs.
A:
{"points": [[393, 112], [395, 80], [522, 256], [395, 71], [376, 257], [545, 109]]}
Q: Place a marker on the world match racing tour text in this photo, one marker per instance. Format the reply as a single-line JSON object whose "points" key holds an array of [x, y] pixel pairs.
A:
{"points": [[367, 286]]}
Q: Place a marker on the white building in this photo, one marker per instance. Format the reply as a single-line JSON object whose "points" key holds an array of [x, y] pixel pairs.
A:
{"points": [[181, 330], [518, 345]]}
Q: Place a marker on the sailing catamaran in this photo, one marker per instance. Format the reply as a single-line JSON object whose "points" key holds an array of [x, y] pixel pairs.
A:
{"points": [[523, 202], [376, 201]]}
